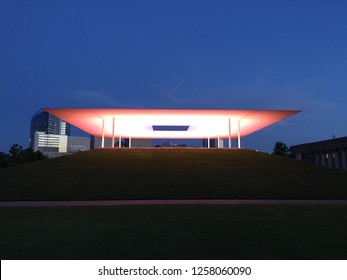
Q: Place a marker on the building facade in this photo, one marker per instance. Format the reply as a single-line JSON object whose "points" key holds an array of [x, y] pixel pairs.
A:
{"points": [[49, 143], [47, 123], [332, 152], [48, 134], [213, 143], [77, 144], [51, 136], [96, 142]]}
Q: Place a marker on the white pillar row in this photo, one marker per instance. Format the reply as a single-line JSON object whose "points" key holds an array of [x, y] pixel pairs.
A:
{"points": [[103, 134], [113, 123], [120, 141], [229, 133], [129, 141], [238, 135]]}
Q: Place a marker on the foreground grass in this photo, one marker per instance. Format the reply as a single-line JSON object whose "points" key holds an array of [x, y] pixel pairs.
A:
{"points": [[170, 173], [174, 232]]}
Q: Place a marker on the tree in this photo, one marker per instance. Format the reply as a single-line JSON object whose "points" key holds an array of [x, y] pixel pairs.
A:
{"points": [[4, 160], [17, 155], [28, 155], [281, 149], [15, 150]]}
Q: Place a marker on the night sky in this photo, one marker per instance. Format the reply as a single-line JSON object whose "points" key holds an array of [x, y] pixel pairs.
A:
{"points": [[177, 54]]}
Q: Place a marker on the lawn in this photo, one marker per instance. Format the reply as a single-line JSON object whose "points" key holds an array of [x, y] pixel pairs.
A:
{"points": [[174, 232], [171, 173]]}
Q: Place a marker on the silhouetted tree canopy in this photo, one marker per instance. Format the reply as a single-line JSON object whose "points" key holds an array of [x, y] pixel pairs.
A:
{"points": [[281, 149], [4, 160], [17, 155]]}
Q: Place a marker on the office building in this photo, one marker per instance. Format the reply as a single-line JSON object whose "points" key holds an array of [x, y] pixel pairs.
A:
{"points": [[213, 143], [331, 153], [77, 144], [48, 134], [51, 136], [96, 142]]}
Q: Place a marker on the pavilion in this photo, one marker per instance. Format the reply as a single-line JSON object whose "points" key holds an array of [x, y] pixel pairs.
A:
{"points": [[169, 123]]}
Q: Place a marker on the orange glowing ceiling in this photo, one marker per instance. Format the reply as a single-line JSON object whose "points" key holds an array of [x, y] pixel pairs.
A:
{"points": [[139, 123]]}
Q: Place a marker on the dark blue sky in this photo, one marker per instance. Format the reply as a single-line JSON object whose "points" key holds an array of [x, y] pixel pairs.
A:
{"points": [[177, 54]]}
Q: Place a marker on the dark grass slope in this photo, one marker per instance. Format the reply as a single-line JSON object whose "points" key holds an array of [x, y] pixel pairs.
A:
{"points": [[171, 173]]}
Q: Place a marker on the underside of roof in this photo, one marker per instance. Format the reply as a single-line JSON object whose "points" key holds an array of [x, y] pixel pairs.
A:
{"points": [[168, 123]]}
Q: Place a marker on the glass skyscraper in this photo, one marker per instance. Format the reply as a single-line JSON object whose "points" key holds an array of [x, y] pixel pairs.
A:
{"points": [[48, 133]]}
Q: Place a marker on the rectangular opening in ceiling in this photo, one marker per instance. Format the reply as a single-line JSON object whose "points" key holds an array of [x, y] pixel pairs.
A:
{"points": [[170, 127]]}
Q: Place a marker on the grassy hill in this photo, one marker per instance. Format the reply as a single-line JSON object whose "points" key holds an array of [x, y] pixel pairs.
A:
{"points": [[171, 173], [172, 231]]}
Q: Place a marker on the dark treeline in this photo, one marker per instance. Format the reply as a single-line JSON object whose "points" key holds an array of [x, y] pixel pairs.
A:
{"points": [[17, 155]]}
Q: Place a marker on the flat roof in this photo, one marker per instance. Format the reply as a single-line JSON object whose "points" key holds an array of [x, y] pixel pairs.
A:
{"points": [[144, 123], [327, 144]]}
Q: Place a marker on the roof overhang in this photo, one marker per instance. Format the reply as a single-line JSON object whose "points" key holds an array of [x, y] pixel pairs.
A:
{"points": [[140, 123]]}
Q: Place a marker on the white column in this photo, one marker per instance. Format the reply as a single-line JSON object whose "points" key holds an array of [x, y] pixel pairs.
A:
{"points": [[218, 145], [229, 133], [103, 134], [120, 141], [113, 123], [129, 142], [238, 134], [208, 142]]}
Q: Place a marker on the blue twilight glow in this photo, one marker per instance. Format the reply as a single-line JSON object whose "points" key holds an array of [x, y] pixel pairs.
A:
{"points": [[184, 54]]}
